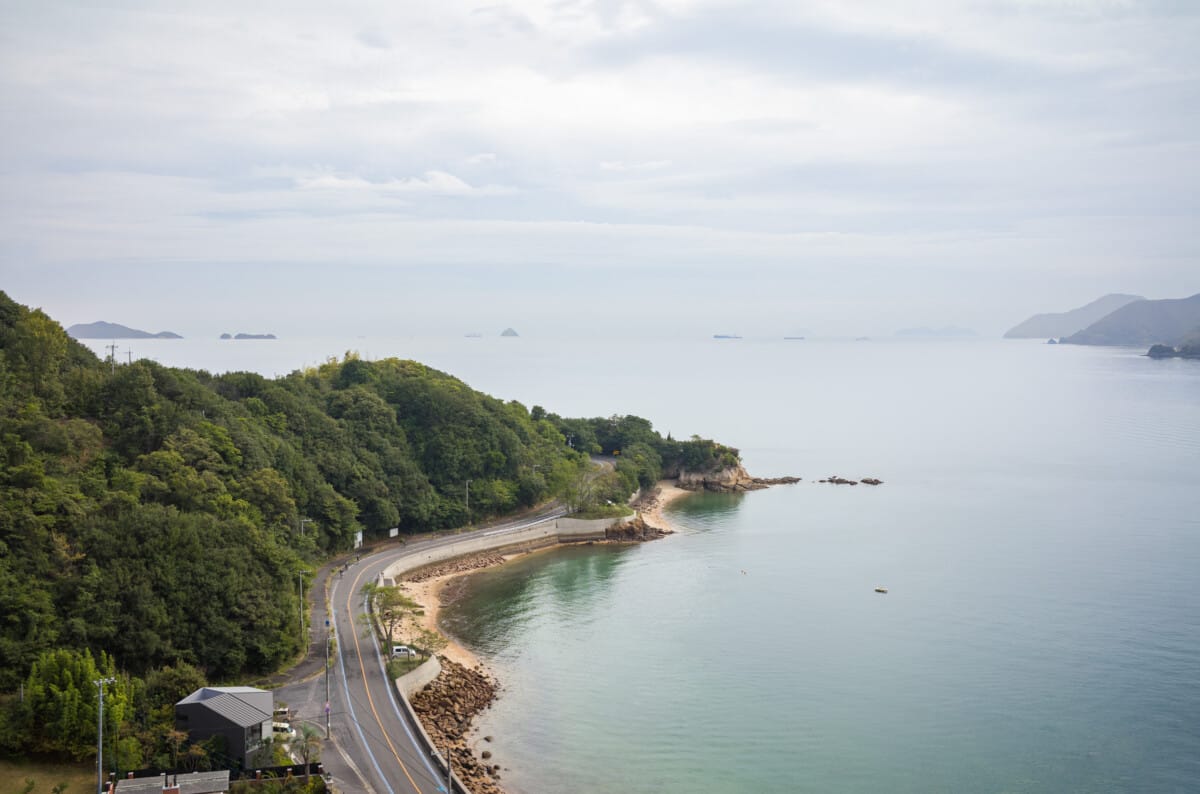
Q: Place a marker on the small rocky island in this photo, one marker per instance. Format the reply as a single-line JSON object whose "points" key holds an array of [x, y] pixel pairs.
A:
{"points": [[240, 335], [509, 332], [1187, 349]]}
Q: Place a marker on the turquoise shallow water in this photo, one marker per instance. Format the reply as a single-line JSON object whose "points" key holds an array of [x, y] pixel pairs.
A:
{"points": [[1039, 532]]}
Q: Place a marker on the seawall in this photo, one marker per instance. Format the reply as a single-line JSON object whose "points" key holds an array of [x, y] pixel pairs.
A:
{"points": [[546, 533]]}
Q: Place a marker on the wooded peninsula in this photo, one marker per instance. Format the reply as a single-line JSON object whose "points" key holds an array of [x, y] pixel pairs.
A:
{"points": [[156, 520]]}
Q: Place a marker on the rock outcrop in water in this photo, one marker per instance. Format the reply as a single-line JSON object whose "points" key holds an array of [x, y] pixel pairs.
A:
{"points": [[635, 530], [733, 479]]}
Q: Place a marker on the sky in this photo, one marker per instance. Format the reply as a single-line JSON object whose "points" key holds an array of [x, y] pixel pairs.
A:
{"points": [[677, 167]]}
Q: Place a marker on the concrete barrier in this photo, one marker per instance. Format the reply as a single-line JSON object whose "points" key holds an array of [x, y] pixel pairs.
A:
{"points": [[577, 529], [416, 679], [545, 533]]}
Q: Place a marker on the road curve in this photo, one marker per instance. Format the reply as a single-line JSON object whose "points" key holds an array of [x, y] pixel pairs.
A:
{"points": [[373, 733]]}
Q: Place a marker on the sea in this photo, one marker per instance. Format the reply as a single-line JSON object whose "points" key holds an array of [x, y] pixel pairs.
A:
{"points": [[1037, 531]]}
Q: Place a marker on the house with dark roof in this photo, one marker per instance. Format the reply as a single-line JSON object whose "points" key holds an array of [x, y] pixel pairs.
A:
{"points": [[239, 714]]}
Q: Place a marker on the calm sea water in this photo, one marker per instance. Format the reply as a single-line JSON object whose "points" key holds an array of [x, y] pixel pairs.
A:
{"points": [[1039, 531]]}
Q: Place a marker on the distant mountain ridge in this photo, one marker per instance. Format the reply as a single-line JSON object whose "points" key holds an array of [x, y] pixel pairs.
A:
{"points": [[1043, 326], [1167, 322], [104, 330]]}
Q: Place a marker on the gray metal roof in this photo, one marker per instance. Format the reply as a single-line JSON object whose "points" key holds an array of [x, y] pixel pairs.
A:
{"points": [[206, 692], [226, 702], [193, 783]]}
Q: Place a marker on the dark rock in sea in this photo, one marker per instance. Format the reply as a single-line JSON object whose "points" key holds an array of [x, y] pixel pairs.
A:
{"points": [[871, 481]]}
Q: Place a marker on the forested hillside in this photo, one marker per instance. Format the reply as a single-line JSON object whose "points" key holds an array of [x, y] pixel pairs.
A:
{"points": [[160, 516]]}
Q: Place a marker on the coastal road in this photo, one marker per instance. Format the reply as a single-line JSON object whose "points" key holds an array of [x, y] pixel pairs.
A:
{"points": [[377, 749]]}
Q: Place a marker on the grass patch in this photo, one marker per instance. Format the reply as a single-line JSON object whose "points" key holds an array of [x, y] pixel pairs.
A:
{"points": [[398, 667], [46, 775]]}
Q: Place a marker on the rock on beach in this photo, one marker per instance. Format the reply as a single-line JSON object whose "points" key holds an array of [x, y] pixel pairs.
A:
{"points": [[446, 708]]}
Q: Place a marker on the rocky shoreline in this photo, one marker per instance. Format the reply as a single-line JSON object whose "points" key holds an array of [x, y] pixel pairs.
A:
{"points": [[446, 708], [456, 566], [734, 479]]}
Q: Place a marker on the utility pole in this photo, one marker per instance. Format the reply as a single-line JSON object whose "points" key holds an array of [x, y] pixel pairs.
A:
{"points": [[468, 501], [328, 644], [100, 734], [112, 355], [303, 642]]}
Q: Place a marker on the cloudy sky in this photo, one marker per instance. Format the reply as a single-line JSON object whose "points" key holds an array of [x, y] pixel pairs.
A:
{"points": [[560, 165]]}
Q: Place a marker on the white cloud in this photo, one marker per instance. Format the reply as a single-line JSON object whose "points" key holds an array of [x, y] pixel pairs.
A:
{"points": [[987, 137], [432, 183]]}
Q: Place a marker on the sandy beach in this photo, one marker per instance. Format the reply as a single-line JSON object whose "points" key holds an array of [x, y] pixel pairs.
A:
{"points": [[433, 593]]}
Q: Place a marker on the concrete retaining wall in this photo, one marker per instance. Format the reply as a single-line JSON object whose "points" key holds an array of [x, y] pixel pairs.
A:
{"points": [[546, 533], [417, 679], [576, 529]]}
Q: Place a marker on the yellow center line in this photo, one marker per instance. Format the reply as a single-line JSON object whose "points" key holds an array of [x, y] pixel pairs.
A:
{"points": [[362, 668]]}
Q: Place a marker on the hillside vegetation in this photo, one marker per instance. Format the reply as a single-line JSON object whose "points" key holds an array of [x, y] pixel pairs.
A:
{"points": [[155, 516]]}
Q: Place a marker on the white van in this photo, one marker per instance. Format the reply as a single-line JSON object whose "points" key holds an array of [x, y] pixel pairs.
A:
{"points": [[403, 652], [283, 730]]}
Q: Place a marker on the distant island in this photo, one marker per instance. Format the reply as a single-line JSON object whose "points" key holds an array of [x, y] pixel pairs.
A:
{"points": [[1171, 322], [103, 330], [1042, 326], [509, 332], [726, 336], [941, 333], [1189, 348], [248, 336]]}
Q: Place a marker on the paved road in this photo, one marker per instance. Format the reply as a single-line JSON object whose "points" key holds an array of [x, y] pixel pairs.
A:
{"points": [[376, 750]]}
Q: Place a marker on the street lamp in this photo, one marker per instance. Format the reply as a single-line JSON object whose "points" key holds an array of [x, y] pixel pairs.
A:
{"points": [[100, 682], [303, 641]]}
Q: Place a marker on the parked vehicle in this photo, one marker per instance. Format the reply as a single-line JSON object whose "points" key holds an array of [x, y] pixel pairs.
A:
{"points": [[403, 652]]}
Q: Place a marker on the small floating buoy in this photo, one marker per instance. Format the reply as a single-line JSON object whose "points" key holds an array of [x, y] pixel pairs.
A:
{"points": [[880, 589]]}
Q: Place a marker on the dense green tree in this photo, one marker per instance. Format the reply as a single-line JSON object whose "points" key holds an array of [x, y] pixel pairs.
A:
{"points": [[60, 712], [156, 516]]}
